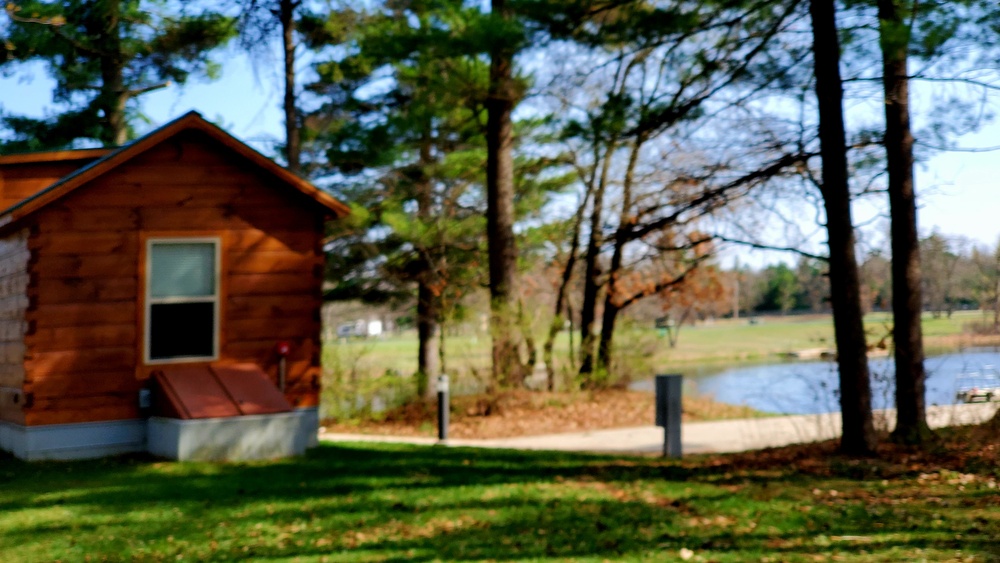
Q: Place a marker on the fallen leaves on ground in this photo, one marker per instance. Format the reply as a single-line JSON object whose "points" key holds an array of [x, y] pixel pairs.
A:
{"points": [[531, 413], [959, 456]]}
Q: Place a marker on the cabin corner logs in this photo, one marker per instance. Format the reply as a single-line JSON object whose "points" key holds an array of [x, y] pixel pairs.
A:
{"points": [[72, 293], [14, 258]]}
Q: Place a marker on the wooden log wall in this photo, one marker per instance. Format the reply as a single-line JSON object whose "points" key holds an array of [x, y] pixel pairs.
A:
{"points": [[27, 176], [14, 257], [84, 347]]}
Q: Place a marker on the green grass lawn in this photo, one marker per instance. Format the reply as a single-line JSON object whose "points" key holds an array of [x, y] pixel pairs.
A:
{"points": [[400, 503]]}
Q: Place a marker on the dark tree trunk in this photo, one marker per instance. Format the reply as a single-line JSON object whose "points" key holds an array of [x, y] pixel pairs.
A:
{"points": [[428, 352], [428, 302], [591, 269], [623, 234], [507, 368], [591, 288], [561, 298], [292, 135], [113, 95], [605, 343], [571, 355], [611, 307], [855, 385], [442, 355], [907, 304]]}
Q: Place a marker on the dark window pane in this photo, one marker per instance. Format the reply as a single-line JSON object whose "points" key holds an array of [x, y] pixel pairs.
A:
{"points": [[181, 330]]}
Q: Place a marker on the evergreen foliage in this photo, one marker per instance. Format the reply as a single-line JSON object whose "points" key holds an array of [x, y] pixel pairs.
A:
{"points": [[102, 55]]}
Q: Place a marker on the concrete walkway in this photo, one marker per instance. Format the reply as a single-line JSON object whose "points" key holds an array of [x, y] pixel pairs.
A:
{"points": [[696, 437]]}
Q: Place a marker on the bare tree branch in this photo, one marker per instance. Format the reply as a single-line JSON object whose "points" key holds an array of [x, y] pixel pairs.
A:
{"points": [[710, 198], [761, 246], [139, 91]]}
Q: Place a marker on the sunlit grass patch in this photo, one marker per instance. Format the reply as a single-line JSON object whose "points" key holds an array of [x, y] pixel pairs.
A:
{"points": [[395, 503]]}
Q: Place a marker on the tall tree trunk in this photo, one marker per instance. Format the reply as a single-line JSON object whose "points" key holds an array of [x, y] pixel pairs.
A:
{"points": [[558, 320], [571, 355], [507, 368], [907, 304], [113, 95], [623, 234], [605, 343], [442, 354], [591, 288], [609, 315], [855, 384], [428, 351], [428, 302], [293, 146], [591, 269]]}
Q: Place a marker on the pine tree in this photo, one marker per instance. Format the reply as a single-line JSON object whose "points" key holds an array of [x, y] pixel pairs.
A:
{"points": [[400, 125], [103, 55], [258, 20], [502, 97]]}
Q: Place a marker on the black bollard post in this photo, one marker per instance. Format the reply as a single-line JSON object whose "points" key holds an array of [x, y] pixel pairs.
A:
{"points": [[442, 388], [668, 412]]}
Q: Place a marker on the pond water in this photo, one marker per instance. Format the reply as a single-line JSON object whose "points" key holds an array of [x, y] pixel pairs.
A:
{"points": [[812, 387]]}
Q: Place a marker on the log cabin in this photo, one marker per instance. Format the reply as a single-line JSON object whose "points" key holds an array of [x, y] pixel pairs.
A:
{"points": [[161, 296]]}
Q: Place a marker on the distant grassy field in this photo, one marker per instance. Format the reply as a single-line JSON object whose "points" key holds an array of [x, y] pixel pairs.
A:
{"points": [[723, 342], [364, 502]]}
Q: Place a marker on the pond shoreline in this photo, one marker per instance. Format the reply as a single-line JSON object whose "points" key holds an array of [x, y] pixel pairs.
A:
{"points": [[932, 348], [811, 387]]}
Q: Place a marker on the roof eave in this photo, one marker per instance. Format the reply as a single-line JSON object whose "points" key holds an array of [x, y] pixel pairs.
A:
{"points": [[53, 156], [13, 215]]}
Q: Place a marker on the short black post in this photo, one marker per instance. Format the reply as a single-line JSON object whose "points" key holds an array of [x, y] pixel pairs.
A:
{"points": [[442, 388], [668, 412]]}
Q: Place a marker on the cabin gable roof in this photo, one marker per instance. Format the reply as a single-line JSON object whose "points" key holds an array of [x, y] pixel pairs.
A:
{"points": [[191, 121]]}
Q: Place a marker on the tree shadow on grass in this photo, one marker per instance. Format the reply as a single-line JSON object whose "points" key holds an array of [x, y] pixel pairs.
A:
{"points": [[399, 503], [327, 471]]}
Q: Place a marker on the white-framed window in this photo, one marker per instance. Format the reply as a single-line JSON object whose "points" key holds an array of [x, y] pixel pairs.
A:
{"points": [[182, 300]]}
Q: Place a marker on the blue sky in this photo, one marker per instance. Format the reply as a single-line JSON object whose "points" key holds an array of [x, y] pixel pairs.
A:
{"points": [[958, 192]]}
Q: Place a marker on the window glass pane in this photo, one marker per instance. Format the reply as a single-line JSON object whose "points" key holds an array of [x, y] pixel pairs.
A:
{"points": [[181, 330], [182, 270]]}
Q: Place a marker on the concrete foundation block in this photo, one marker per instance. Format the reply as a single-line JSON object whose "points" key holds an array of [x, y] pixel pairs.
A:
{"points": [[73, 441], [234, 438]]}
